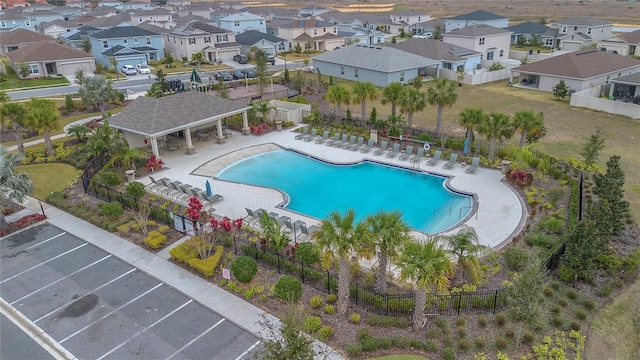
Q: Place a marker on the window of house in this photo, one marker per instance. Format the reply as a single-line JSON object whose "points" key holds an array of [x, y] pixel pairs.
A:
{"points": [[564, 29], [490, 55], [105, 44], [149, 40], [341, 70], [135, 40], [190, 13], [355, 73], [418, 18], [33, 18], [169, 17], [221, 38], [125, 41], [192, 41], [335, 31], [3, 24], [26, 23], [236, 23], [548, 42], [260, 22], [575, 28], [33, 69], [139, 18], [207, 39], [180, 41], [402, 76], [501, 53], [481, 41], [588, 31], [315, 31]]}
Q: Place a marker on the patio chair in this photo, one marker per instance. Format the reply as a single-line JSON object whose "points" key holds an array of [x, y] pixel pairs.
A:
{"points": [[407, 153], [324, 137], [383, 148], [344, 140], [452, 161], [395, 151], [417, 157], [305, 132], [336, 138], [312, 136], [166, 185], [434, 160], [185, 191], [352, 142], [365, 149], [308, 230], [251, 216], [154, 185], [290, 226], [475, 162], [174, 189], [358, 144]]}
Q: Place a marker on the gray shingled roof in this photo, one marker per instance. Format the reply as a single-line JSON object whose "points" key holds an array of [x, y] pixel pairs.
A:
{"points": [[479, 15], [583, 64], [583, 21], [528, 27], [379, 58], [122, 31], [78, 34], [253, 36], [183, 20], [308, 23], [153, 28], [186, 29], [46, 51], [434, 49], [477, 30], [110, 21], [20, 36], [630, 37], [159, 116], [631, 79], [60, 22]]}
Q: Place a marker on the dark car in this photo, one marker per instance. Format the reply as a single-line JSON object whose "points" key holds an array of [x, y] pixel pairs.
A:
{"points": [[250, 73], [241, 59], [224, 75], [237, 74]]}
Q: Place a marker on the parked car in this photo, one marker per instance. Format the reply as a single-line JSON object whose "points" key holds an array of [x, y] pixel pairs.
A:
{"points": [[271, 59], [241, 59], [237, 74], [250, 73], [128, 70], [224, 75], [143, 69]]}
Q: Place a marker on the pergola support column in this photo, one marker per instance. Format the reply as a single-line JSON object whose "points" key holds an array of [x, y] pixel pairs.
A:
{"points": [[245, 124], [187, 135]]}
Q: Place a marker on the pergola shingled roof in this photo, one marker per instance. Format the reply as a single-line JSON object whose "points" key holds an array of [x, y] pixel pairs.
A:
{"points": [[168, 114]]}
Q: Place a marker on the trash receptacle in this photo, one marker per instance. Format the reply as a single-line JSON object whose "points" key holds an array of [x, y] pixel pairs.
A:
{"points": [[279, 125], [131, 176], [506, 166]]}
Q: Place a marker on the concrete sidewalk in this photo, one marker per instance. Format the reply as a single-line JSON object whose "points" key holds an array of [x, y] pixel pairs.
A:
{"points": [[235, 309]]}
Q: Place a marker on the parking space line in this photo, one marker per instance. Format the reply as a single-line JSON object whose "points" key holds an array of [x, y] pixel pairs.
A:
{"points": [[44, 262], [62, 278], [94, 290], [110, 313], [49, 239], [196, 339], [145, 329], [248, 350]]}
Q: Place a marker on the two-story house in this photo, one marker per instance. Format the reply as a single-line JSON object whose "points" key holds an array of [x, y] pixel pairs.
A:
{"points": [[475, 18], [137, 5], [128, 45], [178, 4], [69, 12], [309, 34], [78, 3], [627, 44], [159, 17], [409, 16], [492, 42], [78, 38], [268, 43], [360, 35], [239, 23], [13, 18], [575, 33], [111, 3], [199, 9], [57, 27], [39, 17], [216, 44], [312, 10]]}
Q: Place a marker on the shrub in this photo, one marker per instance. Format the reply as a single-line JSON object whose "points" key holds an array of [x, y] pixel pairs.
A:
{"points": [[362, 333], [387, 321], [482, 321], [571, 294], [432, 333], [331, 298], [184, 252], [163, 229], [354, 350], [330, 309], [528, 337], [312, 324], [124, 228], [325, 333], [589, 304], [548, 292], [555, 285], [460, 321], [244, 268], [557, 321], [135, 189], [354, 318], [401, 342], [316, 302], [581, 314], [516, 258], [431, 346], [288, 288], [480, 342], [447, 340], [384, 343], [461, 332], [509, 334], [449, 354], [441, 322], [501, 343], [110, 178], [555, 309], [575, 325], [112, 210], [417, 344], [155, 239], [501, 320], [307, 253], [563, 302], [369, 344], [463, 345], [207, 266]]}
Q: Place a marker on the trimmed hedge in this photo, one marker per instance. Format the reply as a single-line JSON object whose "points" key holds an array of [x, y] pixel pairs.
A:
{"points": [[288, 288], [244, 268], [184, 252], [155, 239], [207, 266]]}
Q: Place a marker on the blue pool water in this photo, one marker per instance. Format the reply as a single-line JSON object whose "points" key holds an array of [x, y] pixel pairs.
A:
{"points": [[316, 188]]}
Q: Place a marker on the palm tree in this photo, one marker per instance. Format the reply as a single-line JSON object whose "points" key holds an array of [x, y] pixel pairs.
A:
{"points": [[442, 94], [363, 92], [114, 62], [338, 95], [80, 131], [464, 245], [529, 125], [410, 101], [391, 94], [389, 231], [106, 141], [95, 91], [128, 156], [277, 238], [426, 265], [394, 125], [495, 127], [13, 186], [198, 58], [14, 115], [263, 108], [469, 118], [4, 98], [342, 237], [44, 117]]}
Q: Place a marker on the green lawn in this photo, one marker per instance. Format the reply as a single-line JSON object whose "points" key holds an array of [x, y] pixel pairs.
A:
{"points": [[13, 82], [48, 178]]}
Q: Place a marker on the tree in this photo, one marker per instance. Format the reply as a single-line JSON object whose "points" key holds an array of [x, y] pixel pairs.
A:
{"points": [[527, 302], [442, 94], [342, 237], [495, 66], [197, 58], [286, 340], [393, 40], [592, 146], [4, 98], [394, 125], [496, 127], [23, 70], [464, 245], [106, 141], [411, 101], [338, 95], [437, 34], [583, 245], [14, 117], [155, 91], [79, 76], [13, 186], [127, 156], [416, 82], [43, 116], [529, 125], [373, 117], [610, 189], [97, 91], [114, 62], [261, 70], [427, 266], [68, 103], [86, 45], [560, 91], [277, 238], [390, 231], [469, 118], [363, 92], [80, 131], [391, 94], [263, 107]]}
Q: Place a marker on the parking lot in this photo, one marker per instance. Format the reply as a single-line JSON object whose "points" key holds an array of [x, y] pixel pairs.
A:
{"points": [[99, 307]]}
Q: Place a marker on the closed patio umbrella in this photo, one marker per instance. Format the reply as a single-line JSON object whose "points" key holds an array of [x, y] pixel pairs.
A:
{"points": [[208, 188]]}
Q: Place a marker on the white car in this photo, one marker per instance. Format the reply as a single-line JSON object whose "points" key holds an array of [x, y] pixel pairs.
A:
{"points": [[143, 69], [128, 70]]}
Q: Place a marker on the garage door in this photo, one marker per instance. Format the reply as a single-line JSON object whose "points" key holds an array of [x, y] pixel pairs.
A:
{"points": [[227, 54], [71, 68], [571, 45]]}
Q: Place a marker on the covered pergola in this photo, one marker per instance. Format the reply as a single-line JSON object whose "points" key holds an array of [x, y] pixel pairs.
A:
{"points": [[148, 121]]}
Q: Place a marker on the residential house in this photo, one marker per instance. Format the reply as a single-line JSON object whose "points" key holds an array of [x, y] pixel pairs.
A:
{"points": [[451, 57], [69, 12], [222, 12], [200, 9], [626, 88], [276, 13], [360, 35], [312, 11], [268, 43], [79, 38], [492, 42], [178, 4], [239, 23], [104, 11], [108, 22], [380, 65], [49, 59], [527, 31], [409, 17], [128, 45], [83, 20], [57, 27], [137, 5], [475, 18], [39, 17], [77, 4], [627, 44], [153, 28], [579, 70], [309, 34], [19, 37], [429, 29], [215, 43], [350, 20], [110, 3], [160, 17], [11, 4], [576, 33], [38, 7], [14, 18], [184, 20]]}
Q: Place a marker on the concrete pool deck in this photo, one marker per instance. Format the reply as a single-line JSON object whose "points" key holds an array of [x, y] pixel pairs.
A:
{"points": [[500, 212]]}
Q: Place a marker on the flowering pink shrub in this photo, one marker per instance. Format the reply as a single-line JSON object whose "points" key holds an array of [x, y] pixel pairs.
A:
{"points": [[195, 206], [259, 129], [225, 224], [154, 163]]}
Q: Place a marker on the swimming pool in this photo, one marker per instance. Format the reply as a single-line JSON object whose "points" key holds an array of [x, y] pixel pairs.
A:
{"points": [[316, 188]]}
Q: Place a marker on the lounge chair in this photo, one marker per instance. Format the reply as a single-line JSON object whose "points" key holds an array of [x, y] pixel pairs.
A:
{"points": [[352, 142], [155, 185], [436, 157], [336, 138], [407, 153], [305, 132], [185, 191], [344, 140], [452, 161], [308, 230], [417, 157], [475, 162], [166, 185], [395, 151], [251, 216], [358, 144], [174, 189], [324, 137], [383, 148], [312, 136], [368, 147]]}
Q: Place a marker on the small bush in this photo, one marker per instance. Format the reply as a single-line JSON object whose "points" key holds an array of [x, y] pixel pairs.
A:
{"points": [[480, 342], [164, 229], [330, 309], [110, 178], [589, 304], [528, 337], [316, 302], [575, 325], [447, 340], [369, 343], [325, 333], [432, 333], [417, 344], [308, 253], [244, 268], [482, 321], [362, 333], [288, 288], [135, 189], [555, 285], [207, 266], [501, 343], [155, 239], [387, 321], [501, 319], [563, 302], [516, 258], [572, 295], [509, 334], [449, 354], [431, 346], [460, 321], [183, 252], [555, 309], [354, 350], [401, 342], [331, 298], [463, 345], [354, 318], [112, 210], [384, 343], [312, 324], [124, 229], [548, 292], [581, 314], [441, 322], [461, 332], [557, 321]]}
